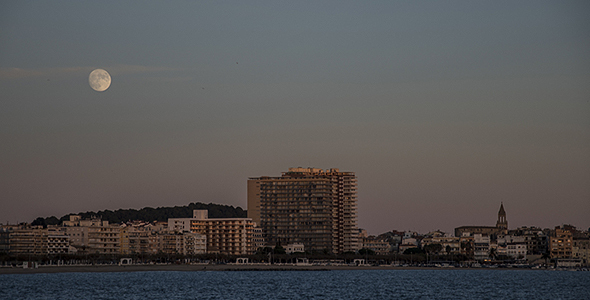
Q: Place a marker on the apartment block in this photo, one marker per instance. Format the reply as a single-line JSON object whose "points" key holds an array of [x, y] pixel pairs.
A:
{"points": [[481, 247], [560, 244], [581, 250], [379, 246], [232, 236], [136, 238], [57, 242], [37, 241], [310, 206], [93, 235]]}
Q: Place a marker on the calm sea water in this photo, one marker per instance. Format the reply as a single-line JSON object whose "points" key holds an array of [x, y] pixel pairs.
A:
{"points": [[361, 284]]}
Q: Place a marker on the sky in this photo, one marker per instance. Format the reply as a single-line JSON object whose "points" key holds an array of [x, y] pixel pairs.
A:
{"points": [[443, 109]]}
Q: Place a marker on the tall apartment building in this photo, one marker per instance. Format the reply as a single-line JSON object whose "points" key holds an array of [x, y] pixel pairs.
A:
{"points": [[310, 206]]}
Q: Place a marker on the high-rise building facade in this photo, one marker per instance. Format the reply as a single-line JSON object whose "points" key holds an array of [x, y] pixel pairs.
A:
{"points": [[309, 206]]}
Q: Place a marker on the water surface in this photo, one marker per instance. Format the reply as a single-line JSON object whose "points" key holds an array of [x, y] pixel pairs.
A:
{"points": [[355, 284]]}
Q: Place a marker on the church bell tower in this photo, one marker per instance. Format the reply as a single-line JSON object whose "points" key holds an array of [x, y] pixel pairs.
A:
{"points": [[502, 223]]}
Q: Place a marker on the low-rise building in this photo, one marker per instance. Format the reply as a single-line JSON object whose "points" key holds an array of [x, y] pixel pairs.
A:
{"points": [[581, 250], [293, 248], [513, 246], [467, 246], [481, 247], [535, 238], [448, 244], [182, 243], [408, 243], [379, 246]]}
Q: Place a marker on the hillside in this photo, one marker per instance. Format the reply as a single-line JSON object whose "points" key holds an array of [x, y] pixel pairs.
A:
{"points": [[150, 214]]}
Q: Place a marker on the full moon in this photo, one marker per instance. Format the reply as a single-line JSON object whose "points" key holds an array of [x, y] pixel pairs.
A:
{"points": [[99, 80]]}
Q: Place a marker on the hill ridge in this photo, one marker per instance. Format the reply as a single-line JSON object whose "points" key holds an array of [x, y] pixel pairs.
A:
{"points": [[150, 214]]}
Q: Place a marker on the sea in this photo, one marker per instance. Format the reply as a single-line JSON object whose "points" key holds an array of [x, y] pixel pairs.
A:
{"points": [[334, 284]]}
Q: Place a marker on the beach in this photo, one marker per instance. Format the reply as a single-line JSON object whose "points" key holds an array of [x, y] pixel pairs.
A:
{"points": [[193, 267]]}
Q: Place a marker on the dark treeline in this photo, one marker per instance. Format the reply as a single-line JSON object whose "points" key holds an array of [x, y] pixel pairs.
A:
{"points": [[149, 214]]}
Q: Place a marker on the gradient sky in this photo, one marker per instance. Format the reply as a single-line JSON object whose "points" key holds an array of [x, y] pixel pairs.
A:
{"points": [[443, 109]]}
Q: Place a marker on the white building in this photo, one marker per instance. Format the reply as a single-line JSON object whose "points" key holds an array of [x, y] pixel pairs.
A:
{"points": [[179, 224], [481, 245], [512, 246], [292, 248]]}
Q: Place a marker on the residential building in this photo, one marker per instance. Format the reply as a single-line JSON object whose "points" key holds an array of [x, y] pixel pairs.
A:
{"points": [[182, 243], [408, 242], [257, 239], [139, 238], [481, 247], [514, 246], [5, 239], [310, 206], [104, 239], [467, 246], [581, 250], [93, 235], [232, 236], [379, 246], [179, 224], [535, 238], [57, 242], [393, 238], [448, 244], [37, 240], [193, 243], [560, 244], [28, 240]]}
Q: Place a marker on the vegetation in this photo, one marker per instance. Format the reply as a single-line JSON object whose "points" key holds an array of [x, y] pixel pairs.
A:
{"points": [[149, 214], [366, 251], [433, 248]]}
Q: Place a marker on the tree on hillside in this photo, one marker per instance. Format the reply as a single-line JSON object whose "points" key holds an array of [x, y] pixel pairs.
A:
{"points": [[149, 214]]}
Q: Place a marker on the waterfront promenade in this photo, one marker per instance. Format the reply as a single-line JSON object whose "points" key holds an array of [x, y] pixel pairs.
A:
{"points": [[206, 267]]}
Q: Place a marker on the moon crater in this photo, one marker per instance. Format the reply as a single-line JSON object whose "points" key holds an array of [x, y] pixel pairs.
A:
{"points": [[99, 80]]}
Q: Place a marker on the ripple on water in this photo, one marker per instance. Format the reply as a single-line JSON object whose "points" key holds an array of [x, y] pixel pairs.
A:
{"points": [[359, 284]]}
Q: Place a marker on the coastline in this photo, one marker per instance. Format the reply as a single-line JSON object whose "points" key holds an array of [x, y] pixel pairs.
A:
{"points": [[208, 267]]}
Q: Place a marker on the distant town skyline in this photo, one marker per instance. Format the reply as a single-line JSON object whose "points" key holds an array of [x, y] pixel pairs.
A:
{"points": [[443, 110]]}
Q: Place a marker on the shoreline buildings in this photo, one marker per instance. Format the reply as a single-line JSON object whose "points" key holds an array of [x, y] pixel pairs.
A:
{"points": [[309, 206], [304, 210]]}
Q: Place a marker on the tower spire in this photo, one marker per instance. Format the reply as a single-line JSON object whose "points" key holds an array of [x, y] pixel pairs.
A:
{"points": [[502, 222]]}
